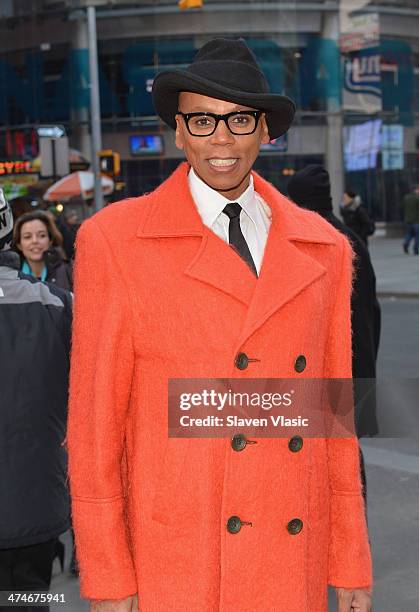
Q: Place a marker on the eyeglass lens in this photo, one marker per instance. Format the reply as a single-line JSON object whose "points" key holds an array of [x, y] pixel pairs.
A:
{"points": [[240, 123]]}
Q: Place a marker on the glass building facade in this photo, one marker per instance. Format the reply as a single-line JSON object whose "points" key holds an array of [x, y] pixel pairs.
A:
{"points": [[354, 78]]}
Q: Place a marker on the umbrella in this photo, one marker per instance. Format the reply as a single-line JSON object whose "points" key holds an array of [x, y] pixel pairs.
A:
{"points": [[77, 184]]}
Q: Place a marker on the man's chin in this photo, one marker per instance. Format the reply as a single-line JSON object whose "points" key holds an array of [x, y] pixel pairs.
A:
{"points": [[225, 187]]}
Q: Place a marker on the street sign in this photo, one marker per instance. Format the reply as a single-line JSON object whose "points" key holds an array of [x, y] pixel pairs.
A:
{"points": [[54, 156], [51, 131]]}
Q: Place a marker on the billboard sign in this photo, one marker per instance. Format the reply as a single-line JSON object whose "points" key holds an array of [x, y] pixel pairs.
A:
{"points": [[359, 32], [362, 82], [362, 145]]}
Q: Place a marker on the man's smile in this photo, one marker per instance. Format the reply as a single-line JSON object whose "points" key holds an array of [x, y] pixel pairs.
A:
{"points": [[223, 163]]}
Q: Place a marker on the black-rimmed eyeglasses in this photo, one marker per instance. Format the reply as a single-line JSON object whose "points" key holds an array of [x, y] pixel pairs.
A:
{"points": [[240, 123]]}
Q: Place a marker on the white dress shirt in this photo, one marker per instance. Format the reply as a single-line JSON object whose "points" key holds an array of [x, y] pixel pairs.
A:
{"points": [[255, 217]]}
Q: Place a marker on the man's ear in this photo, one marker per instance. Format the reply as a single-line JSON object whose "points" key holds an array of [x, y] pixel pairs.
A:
{"points": [[265, 132], [179, 133]]}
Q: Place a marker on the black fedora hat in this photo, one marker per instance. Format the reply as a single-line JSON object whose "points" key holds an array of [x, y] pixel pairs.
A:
{"points": [[227, 70]]}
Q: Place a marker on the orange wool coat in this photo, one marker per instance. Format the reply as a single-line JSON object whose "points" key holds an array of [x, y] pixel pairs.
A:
{"points": [[160, 296]]}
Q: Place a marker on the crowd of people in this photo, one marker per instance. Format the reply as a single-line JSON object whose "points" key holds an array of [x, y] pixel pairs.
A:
{"points": [[36, 277], [132, 511]]}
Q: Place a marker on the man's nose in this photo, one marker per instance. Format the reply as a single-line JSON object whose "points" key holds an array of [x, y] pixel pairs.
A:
{"points": [[222, 134]]}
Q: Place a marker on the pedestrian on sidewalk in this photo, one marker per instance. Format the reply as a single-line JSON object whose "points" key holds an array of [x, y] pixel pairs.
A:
{"points": [[215, 274], [411, 219], [40, 246], [35, 328], [69, 224], [310, 188], [355, 216]]}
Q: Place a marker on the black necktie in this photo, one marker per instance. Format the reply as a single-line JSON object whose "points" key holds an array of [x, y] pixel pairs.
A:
{"points": [[235, 234]]}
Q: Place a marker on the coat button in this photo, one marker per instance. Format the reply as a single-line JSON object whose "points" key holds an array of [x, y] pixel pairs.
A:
{"points": [[238, 442], [295, 526], [241, 361], [234, 524], [295, 444], [300, 364]]}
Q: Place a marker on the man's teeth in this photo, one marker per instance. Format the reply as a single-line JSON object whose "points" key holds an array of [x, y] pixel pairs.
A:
{"points": [[222, 162]]}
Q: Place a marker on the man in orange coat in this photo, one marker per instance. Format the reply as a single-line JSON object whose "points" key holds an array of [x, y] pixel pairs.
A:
{"points": [[213, 275]]}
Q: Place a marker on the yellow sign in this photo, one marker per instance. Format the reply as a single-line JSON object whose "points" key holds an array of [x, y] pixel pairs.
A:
{"points": [[187, 4], [109, 162]]}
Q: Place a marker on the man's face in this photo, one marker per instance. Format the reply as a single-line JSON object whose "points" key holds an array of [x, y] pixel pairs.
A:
{"points": [[223, 160], [346, 199]]}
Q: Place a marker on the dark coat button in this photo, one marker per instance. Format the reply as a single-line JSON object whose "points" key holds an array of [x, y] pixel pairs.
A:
{"points": [[295, 444], [241, 361], [295, 526], [238, 442], [234, 524], [300, 363]]}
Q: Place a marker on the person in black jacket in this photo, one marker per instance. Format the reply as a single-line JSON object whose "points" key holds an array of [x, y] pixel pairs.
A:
{"points": [[310, 188], [39, 244], [35, 329], [68, 224], [355, 216]]}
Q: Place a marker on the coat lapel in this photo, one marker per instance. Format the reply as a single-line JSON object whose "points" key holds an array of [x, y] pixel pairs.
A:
{"points": [[217, 264], [286, 269], [173, 214]]}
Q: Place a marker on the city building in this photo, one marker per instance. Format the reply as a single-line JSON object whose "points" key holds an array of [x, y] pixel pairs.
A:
{"points": [[352, 68]]}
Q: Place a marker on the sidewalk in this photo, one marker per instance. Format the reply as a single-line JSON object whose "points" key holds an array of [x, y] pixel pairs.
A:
{"points": [[397, 274], [64, 584]]}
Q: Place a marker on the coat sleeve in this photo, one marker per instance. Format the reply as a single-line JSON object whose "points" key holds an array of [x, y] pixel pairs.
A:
{"points": [[349, 550], [102, 364]]}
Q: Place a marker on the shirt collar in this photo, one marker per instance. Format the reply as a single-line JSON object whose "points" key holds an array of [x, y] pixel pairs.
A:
{"points": [[210, 203], [26, 269]]}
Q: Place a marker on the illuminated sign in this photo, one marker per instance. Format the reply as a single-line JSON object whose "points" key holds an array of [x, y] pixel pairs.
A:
{"points": [[16, 167], [51, 131], [362, 144]]}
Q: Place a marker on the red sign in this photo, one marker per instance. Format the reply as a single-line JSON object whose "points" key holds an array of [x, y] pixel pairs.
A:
{"points": [[16, 167]]}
